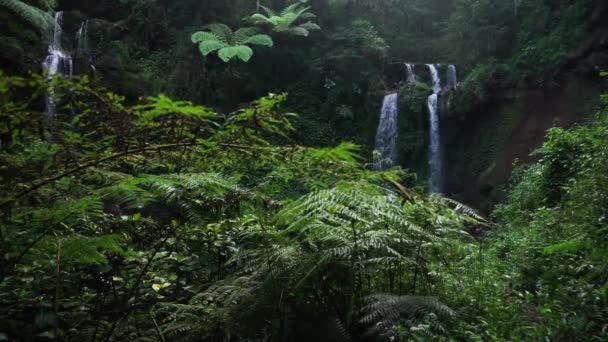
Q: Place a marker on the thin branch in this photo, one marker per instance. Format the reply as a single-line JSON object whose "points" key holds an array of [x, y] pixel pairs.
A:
{"points": [[57, 288], [134, 292], [9, 268], [99, 161], [161, 337]]}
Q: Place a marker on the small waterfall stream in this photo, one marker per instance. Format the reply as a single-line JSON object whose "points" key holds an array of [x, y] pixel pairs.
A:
{"points": [[83, 50], [452, 79], [57, 62], [82, 38], [386, 136], [434, 133], [410, 73]]}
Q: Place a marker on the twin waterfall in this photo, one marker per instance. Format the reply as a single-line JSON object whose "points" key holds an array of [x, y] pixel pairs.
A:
{"points": [[386, 137], [58, 61]]}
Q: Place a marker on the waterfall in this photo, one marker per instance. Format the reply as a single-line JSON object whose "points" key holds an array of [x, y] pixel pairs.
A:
{"points": [[451, 77], [434, 133], [386, 137], [57, 62], [82, 39], [411, 73]]}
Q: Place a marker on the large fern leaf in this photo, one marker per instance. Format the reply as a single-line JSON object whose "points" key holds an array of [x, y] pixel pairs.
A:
{"points": [[223, 31], [243, 52], [382, 312], [259, 39], [35, 16]]}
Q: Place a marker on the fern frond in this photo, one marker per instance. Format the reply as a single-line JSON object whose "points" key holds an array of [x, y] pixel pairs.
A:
{"points": [[465, 210], [243, 52], [310, 26], [210, 46], [243, 33], [202, 36], [259, 39], [33, 15], [222, 31], [382, 312], [291, 8], [298, 31], [268, 11]]}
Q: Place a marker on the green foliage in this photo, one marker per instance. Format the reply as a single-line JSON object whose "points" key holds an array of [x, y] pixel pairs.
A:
{"points": [[479, 87], [162, 105], [362, 35], [229, 44], [487, 27], [206, 223], [542, 51], [389, 314], [338, 237]]}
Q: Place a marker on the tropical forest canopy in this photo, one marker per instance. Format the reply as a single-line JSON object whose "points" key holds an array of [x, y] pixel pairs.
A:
{"points": [[292, 170]]}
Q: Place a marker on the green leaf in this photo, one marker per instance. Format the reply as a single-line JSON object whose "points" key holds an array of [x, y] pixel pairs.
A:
{"points": [[243, 33], [223, 31], [158, 287], [298, 31], [260, 39], [207, 47], [310, 26], [202, 36], [564, 247], [259, 18], [243, 52]]}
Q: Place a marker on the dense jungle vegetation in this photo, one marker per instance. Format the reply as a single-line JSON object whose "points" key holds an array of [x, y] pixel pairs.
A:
{"points": [[206, 170]]}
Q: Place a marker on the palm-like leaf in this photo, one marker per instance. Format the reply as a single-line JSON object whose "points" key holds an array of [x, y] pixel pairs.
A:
{"points": [[259, 39], [242, 34], [223, 31], [243, 52], [268, 11], [209, 46], [310, 26], [297, 31], [202, 36]]}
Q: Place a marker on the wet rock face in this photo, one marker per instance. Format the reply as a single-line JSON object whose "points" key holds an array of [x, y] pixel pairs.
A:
{"points": [[480, 150]]}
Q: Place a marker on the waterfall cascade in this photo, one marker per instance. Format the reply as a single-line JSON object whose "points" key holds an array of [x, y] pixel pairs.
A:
{"points": [[57, 62], [386, 137]]}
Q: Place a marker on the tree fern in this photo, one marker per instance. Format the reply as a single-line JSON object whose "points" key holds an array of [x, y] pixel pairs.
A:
{"points": [[229, 44], [289, 20]]}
